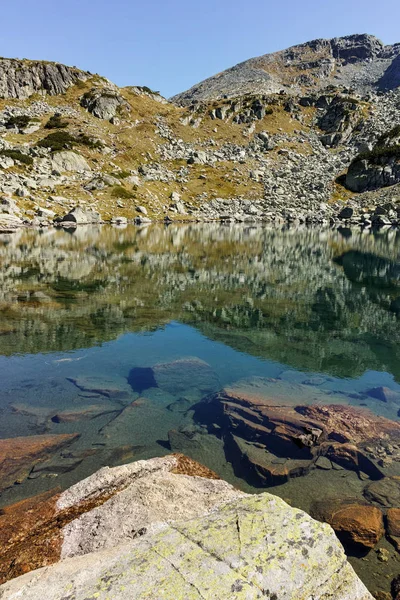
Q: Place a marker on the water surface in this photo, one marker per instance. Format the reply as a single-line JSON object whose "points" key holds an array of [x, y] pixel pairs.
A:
{"points": [[292, 305]]}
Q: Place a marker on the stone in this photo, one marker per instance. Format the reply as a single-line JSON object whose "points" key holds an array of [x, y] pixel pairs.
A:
{"points": [[104, 103], [385, 492], [393, 526], [246, 412], [355, 523], [9, 223], [80, 216], [346, 213], [114, 388], [177, 377], [19, 455], [384, 394], [67, 160], [142, 209], [196, 554], [323, 463]]}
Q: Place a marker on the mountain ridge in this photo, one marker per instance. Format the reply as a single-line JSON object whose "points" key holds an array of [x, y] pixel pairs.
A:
{"points": [[75, 147], [289, 70]]}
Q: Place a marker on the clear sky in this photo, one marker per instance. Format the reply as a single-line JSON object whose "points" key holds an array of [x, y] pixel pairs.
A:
{"points": [[169, 45]]}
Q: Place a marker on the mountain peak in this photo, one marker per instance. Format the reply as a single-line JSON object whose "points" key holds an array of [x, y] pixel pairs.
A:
{"points": [[356, 61]]}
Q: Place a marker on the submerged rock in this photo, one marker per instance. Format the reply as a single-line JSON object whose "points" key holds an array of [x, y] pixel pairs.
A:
{"points": [[355, 523], [269, 439], [171, 544], [18, 455], [176, 377]]}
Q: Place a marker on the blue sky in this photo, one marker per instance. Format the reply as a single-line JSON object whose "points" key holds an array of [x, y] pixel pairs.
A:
{"points": [[170, 45]]}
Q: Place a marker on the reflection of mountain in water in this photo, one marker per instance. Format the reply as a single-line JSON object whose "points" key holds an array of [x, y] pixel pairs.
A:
{"points": [[275, 294]]}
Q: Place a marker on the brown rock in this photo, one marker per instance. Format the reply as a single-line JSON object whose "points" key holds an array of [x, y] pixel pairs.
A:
{"points": [[353, 522], [19, 455], [295, 432], [393, 527], [31, 531]]}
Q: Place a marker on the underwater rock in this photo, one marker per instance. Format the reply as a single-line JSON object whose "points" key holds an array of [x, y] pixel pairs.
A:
{"points": [[385, 492], [185, 374], [18, 455], [353, 522], [271, 429]]}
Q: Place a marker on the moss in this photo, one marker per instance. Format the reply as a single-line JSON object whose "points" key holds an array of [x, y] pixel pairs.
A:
{"points": [[119, 191], [17, 155]]}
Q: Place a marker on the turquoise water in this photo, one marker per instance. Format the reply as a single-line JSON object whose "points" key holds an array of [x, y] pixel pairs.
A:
{"points": [[86, 315]]}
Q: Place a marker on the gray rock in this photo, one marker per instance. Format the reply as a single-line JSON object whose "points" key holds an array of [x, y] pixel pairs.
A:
{"points": [[69, 161]]}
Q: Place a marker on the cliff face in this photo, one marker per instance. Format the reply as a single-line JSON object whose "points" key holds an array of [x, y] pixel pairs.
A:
{"points": [[21, 78], [358, 61]]}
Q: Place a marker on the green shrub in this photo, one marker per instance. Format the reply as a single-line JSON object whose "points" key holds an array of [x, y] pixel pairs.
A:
{"points": [[20, 121], [379, 152], [55, 122], [119, 191], [62, 140], [389, 135], [17, 155]]}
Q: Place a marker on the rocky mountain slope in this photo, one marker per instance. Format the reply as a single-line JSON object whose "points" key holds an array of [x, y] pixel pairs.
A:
{"points": [[361, 62], [293, 136]]}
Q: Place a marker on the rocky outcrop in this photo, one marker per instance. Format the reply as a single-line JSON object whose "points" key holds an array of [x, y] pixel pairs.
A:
{"points": [[374, 170], [104, 103], [22, 78], [184, 535]]}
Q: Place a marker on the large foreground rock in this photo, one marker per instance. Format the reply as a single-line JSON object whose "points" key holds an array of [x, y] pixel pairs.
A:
{"points": [[222, 544]]}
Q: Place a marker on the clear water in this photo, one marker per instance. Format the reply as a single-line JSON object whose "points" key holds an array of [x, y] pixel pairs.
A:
{"points": [[250, 301]]}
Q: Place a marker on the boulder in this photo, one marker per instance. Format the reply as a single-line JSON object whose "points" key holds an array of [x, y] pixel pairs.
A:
{"points": [[181, 536], [385, 492], [81, 216], [355, 523], [104, 103], [177, 377], [66, 160], [9, 223]]}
